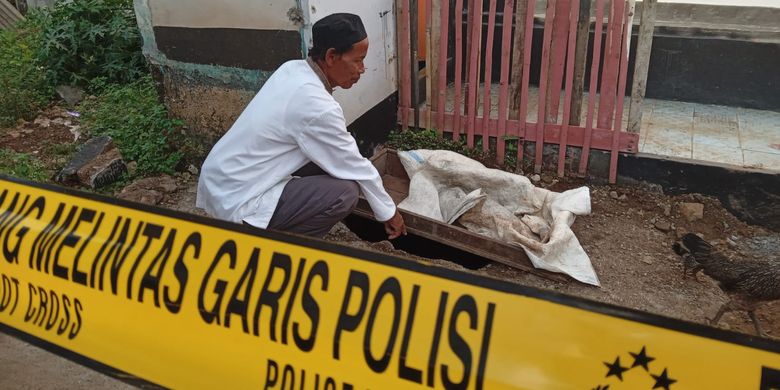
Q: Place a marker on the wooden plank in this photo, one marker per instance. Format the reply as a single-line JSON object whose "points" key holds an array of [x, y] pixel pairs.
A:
{"points": [[473, 86], [594, 71], [469, 6], [430, 69], [549, 21], [464, 240], [528, 35], [643, 48], [450, 235], [442, 76], [580, 61], [397, 187], [518, 54], [414, 40], [600, 138], [609, 76], [458, 67], [506, 49], [405, 62], [621, 91], [487, 100], [573, 16], [557, 60]]}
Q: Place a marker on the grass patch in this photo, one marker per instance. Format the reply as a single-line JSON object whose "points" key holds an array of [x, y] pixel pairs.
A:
{"points": [[139, 124], [24, 89], [22, 166], [87, 39], [429, 139]]}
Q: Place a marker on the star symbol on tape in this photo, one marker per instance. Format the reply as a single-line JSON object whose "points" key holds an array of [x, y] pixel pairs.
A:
{"points": [[663, 380], [616, 369], [641, 359]]}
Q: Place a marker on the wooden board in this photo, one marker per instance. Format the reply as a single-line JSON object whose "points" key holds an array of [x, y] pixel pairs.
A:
{"points": [[396, 182]]}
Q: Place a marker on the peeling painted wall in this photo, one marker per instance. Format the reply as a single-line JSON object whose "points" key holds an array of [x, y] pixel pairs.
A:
{"points": [[249, 14], [211, 58]]}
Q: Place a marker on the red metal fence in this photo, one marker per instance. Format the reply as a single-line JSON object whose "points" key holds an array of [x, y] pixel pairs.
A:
{"points": [[452, 93]]}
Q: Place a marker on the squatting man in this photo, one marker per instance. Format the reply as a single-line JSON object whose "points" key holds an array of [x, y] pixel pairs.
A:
{"points": [[288, 162]]}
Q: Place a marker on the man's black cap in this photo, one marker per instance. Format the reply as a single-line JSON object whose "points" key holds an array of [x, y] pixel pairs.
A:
{"points": [[340, 30]]}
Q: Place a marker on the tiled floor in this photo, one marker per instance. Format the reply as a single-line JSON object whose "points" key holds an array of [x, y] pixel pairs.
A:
{"points": [[733, 136], [726, 135]]}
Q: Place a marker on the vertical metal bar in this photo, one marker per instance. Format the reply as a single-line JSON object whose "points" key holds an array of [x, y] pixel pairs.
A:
{"points": [[506, 50], [414, 38], [443, 43], [406, 65], [643, 49], [621, 91], [430, 69], [473, 88], [529, 32], [573, 17], [557, 60], [549, 21], [580, 61], [458, 68], [592, 86], [486, 101]]}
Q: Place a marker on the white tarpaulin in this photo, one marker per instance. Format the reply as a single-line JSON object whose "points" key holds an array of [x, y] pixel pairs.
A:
{"points": [[447, 186]]}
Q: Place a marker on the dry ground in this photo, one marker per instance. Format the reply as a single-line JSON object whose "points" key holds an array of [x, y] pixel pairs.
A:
{"points": [[631, 255]]}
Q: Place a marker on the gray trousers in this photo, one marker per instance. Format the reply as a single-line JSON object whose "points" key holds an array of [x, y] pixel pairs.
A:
{"points": [[312, 205]]}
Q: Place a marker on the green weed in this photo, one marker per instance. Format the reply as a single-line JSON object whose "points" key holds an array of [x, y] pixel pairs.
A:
{"points": [[132, 115], [429, 139], [23, 86], [86, 39], [22, 166]]}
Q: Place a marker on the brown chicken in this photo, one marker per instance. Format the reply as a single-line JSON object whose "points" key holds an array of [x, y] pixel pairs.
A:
{"points": [[747, 282]]}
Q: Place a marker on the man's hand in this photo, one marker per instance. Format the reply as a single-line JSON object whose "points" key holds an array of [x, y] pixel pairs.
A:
{"points": [[395, 227]]}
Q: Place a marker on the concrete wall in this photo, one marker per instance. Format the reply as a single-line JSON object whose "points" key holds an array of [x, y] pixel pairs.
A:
{"points": [[379, 81], [248, 14], [211, 57]]}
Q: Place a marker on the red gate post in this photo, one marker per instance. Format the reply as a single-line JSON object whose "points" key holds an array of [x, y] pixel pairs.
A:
{"points": [[592, 86], [488, 77], [573, 17], [540, 125], [506, 49]]}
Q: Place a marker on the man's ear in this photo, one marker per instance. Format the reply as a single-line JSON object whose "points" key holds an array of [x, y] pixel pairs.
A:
{"points": [[330, 56]]}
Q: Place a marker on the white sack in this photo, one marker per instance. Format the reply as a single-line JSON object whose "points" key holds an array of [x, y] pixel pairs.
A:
{"points": [[447, 186]]}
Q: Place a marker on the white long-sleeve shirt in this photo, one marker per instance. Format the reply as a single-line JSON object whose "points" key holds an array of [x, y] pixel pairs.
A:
{"points": [[292, 121]]}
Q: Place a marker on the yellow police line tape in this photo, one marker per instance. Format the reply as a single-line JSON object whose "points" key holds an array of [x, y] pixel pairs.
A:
{"points": [[187, 302]]}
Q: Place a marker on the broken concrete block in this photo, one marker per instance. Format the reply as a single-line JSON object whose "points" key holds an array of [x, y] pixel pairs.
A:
{"points": [[692, 211], [150, 190], [142, 195], [97, 164], [163, 184]]}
